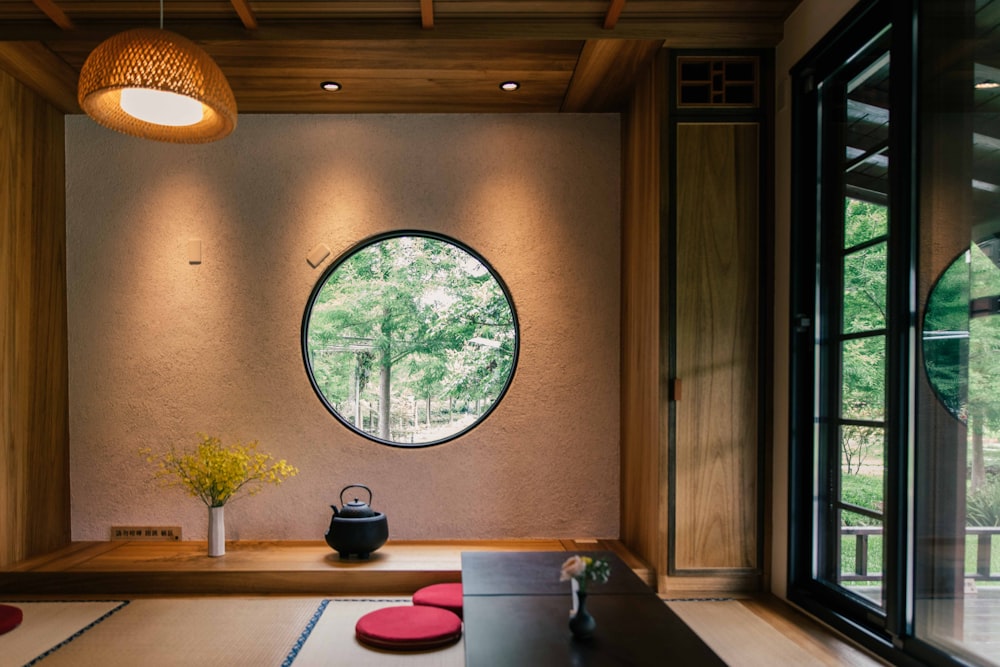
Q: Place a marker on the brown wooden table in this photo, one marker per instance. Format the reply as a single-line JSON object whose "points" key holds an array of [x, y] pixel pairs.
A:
{"points": [[516, 614]]}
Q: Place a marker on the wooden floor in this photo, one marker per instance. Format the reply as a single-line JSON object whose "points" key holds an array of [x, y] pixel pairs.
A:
{"points": [[764, 631], [751, 630]]}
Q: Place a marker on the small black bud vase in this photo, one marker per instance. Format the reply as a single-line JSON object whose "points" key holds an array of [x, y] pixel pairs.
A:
{"points": [[582, 624]]}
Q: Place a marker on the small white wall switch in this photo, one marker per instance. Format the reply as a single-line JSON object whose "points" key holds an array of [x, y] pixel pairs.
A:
{"points": [[317, 255], [194, 251]]}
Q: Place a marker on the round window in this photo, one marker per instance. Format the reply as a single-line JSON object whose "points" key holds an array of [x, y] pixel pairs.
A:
{"points": [[410, 339], [961, 335]]}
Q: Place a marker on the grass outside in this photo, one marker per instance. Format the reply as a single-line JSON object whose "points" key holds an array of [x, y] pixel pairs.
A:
{"points": [[866, 491], [991, 453]]}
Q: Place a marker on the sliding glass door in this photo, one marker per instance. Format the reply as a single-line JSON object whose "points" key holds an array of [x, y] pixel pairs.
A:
{"points": [[896, 347]]}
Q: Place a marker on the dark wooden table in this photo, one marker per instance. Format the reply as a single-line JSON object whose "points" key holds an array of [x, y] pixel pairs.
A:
{"points": [[516, 614]]}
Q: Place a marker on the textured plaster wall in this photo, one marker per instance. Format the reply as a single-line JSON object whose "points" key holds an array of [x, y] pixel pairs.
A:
{"points": [[161, 349]]}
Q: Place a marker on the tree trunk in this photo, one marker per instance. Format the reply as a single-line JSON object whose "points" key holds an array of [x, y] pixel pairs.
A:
{"points": [[357, 395], [978, 460], [384, 404]]}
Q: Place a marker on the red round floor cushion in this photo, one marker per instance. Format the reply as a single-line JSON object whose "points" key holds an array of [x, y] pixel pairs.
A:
{"points": [[408, 628], [10, 618], [445, 596]]}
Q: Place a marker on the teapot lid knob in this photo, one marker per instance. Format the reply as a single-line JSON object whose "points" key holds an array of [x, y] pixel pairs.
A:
{"points": [[356, 509]]}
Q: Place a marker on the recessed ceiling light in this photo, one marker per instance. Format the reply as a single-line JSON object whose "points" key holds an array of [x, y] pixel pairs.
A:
{"points": [[987, 84], [331, 86], [509, 86]]}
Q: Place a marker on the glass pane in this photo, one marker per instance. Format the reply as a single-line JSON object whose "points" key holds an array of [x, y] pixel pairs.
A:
{"points": [[854, 489], [946, 337], [866, 151], [862, 486], [861, 556], [957, 448], [862, 466], [863, 378], [410, 339], [864, 289], [864, 221]]}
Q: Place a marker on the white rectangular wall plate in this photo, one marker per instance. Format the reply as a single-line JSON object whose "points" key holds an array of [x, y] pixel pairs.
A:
{"points": [[317, 255], [194, 251]]}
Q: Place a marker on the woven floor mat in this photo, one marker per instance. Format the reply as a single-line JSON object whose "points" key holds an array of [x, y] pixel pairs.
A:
{"points": [[216, 632], [48, 626]]}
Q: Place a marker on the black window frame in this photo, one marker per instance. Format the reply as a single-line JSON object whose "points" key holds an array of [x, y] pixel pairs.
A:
{"points": [[347, 255], [888, 634]]}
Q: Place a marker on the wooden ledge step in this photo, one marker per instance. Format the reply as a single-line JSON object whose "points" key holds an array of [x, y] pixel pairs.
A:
{"points": [[262, 568]]}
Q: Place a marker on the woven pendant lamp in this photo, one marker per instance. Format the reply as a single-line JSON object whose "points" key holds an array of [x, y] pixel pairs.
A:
{"points": [[156, 84]]}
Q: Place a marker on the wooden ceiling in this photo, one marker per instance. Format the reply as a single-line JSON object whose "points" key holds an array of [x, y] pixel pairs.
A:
{"points": [[394, 56]]}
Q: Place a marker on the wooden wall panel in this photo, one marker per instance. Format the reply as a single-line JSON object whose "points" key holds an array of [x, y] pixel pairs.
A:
{"points": [[34, 439], [716, 448], [643, 460]]}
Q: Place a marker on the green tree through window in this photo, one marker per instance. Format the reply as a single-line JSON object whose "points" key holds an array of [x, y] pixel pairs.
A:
{"points": [[410, 339]]}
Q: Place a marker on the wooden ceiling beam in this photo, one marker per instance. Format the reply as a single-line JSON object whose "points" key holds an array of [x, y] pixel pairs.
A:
{"points": [[55, 13], [614, 11], [427, 14], [605, 74], [245, 13], [42, 71], [679, 32]]}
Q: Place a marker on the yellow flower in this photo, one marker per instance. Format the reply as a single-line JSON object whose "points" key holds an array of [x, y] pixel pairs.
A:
{"points": [[217, 474]]}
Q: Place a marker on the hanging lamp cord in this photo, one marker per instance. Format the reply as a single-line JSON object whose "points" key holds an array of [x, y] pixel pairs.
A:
{"points": [[161, 14]]}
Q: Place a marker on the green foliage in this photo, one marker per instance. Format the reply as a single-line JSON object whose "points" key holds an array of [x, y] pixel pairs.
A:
{"points": [[983, 506], [863, 310], [863, 393], [946, 341], [864, 491], [860, 445], [864, 221], [865, 274], [406, 321], [965, 368], [972, 553], [848, 549]]}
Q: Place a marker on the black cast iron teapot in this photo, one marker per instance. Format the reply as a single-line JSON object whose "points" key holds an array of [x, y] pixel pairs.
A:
{"points": [[356, 529]]}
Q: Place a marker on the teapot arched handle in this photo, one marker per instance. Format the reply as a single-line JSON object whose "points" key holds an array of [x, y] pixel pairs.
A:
{"points": [[352, 486]]}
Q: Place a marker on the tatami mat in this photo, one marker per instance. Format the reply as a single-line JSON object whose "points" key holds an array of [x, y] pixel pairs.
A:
{"points": [[213, 632], [48, 626], [332, 642]]}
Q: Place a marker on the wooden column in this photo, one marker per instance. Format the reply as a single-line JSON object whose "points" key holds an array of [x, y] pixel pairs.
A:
{"points": [[34, 438], [643, 457]]}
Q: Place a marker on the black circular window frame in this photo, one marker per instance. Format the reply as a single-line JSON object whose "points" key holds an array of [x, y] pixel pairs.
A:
{"points": [[347, 255]]}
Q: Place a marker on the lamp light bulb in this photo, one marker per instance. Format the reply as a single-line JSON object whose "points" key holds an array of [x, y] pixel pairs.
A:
{"points": [[161, 107]]}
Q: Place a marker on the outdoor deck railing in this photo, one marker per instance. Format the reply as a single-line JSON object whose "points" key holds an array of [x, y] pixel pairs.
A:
{"points": [[984, 552]]}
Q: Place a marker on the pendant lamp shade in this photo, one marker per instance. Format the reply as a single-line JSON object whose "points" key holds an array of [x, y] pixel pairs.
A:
{"points": [[145, 63]]}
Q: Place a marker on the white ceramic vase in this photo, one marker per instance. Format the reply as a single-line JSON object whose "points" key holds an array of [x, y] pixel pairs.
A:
{"points": [[217, 531]]}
